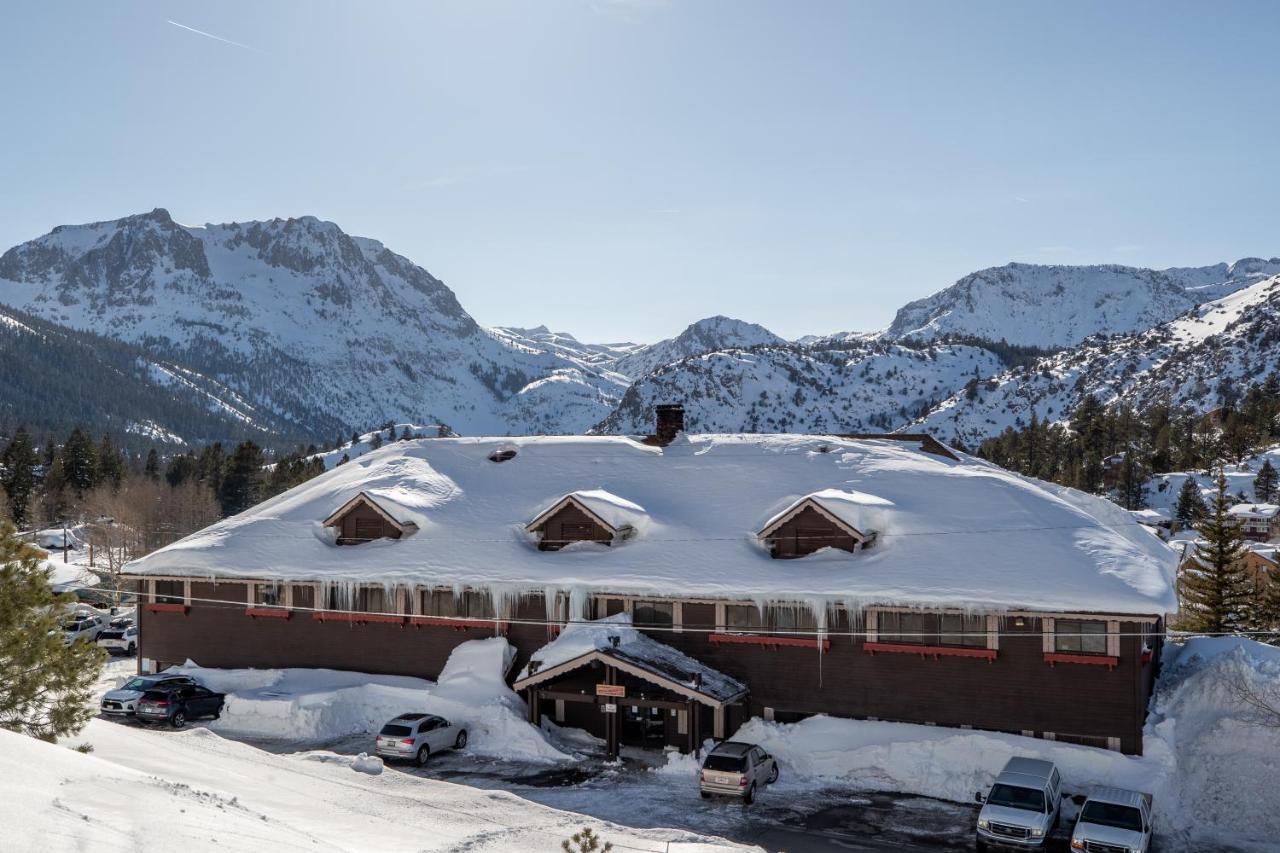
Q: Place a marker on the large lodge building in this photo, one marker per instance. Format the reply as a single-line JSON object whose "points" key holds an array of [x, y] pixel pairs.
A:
{"points": [[765, 575]]}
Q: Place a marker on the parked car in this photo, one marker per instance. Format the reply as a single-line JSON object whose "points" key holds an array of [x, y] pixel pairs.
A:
{"points": [[414, 737], [175, 704], [120, 636], [124, 699], [736, 769], [1114, 820], [82, 626], [1022, 807]]}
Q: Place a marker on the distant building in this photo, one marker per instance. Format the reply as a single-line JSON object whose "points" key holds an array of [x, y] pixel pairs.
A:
{"points": [[1258, 522]]}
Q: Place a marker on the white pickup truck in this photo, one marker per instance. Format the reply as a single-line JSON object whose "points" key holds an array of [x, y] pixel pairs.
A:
{"points": [[1114, 820]]}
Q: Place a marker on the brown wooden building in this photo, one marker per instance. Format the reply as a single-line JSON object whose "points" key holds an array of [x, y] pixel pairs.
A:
{"points": [[783, 615]]}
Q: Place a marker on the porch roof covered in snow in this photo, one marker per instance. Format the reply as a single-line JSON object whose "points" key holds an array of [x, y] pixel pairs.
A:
{"points": [[950, 532]]}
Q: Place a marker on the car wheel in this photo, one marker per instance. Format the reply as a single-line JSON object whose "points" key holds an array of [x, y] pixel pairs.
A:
{"points": [[461, 741], [178, 720], [132, 650], [423, 754], [705, 795], [773, 774], [750, 796], [982, 846]]}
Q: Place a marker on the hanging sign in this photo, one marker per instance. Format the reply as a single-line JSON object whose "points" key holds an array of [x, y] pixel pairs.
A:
{"points": [[617, 691]]}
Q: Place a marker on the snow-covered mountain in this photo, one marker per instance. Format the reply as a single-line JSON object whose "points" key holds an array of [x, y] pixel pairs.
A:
{"points": [[1234, 340], [857, 387], [709, 335], [1059, 306], [325, 330]]}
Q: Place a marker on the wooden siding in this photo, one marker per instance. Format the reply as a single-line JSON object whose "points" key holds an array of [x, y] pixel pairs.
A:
{"points": [[555, 532], [362, 523], [1017, 691], [807, 532]]}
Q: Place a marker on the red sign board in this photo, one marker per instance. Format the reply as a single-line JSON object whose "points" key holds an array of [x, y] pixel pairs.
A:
{"points": [[617, 690]]}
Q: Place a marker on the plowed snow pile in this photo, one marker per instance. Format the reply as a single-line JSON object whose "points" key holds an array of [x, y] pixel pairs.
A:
{"points": [[1209, 759], [317, 705]]}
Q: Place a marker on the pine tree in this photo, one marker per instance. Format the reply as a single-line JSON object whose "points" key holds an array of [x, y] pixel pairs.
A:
{"points": [[110, 464], [1265, 485], [242, 485], [19, 475], [1132, 487], [80, 461], [1215, 591], [1267, 614], [1191, 507], [376, 441], [585, 842], [152, 469], [44, 684]]}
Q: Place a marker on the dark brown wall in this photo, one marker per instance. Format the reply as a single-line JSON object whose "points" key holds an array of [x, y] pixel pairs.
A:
{"points": [[365, 513], [786, 544], [1017, 691], [553, 536]]}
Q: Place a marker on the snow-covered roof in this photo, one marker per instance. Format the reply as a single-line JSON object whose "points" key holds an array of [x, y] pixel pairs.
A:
{"points": [[862, 513], [1151, 516], [384, 504], [614, 512], [615, 640], [1265, 512], [960, 533]]}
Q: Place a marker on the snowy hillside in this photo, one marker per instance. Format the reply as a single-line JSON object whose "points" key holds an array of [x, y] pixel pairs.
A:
{"points": [[296, 317], [1059, 306], [1233, 339], [858, 387]]}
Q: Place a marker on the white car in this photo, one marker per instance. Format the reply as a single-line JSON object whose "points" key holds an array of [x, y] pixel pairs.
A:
{"points": [[82, 626], [414, 737], [1022, 807], [121, 636], [1114, 820]]}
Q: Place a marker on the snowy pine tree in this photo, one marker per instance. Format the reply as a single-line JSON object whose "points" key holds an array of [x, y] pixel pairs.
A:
{"points": [[1266, 485], [1191, 506], [44, 684], [1216, 596], [18, 475]]}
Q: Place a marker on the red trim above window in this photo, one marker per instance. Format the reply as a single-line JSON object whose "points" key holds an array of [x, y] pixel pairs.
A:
{"points": [[1110, 661], [931, 651], [277, 612], [458, 624], [166, 607], [357, 618], [770, 642]]}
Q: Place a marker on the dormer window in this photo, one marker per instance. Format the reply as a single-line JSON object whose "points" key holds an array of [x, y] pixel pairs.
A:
{"points": [[831, 518], [365, 518], [587, 516]]}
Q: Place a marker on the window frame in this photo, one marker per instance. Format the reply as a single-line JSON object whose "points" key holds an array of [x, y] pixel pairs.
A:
{"points": [[1070, 630]]}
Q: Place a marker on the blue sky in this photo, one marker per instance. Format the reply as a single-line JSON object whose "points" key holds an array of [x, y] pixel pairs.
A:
{"points": [[620, 168]]}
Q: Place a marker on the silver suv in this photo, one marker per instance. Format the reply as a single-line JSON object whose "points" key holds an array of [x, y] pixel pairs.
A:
{"points": [[737, 770], [413, 737]]}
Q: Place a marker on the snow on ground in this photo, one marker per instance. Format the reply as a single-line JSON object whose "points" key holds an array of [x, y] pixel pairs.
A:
{"points": [[1208, 761], [319, 705]]}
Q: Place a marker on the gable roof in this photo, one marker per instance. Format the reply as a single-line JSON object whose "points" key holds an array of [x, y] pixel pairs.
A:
{"points": [[955, 533], [612, 512], [1254, 511], [582, 643], [403, 525], [856, 513]]}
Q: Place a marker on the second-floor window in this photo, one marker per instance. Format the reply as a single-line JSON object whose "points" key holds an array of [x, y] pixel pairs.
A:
{"points": [[171, 592], [653, 614], [932, 629], [1080, 636], [268, 594]]}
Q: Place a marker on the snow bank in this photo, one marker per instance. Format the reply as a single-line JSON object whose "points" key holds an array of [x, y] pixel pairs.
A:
{"points": [[1208, 760], [366, 763], [316, 705]]}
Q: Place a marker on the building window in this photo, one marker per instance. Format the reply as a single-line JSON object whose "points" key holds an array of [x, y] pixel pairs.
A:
{"points": [[907, 627], [469, 605], [793, 620], [653, 614], [268, 594], [368, 529], [304, 597], [171, 592], [745, 618], [961, 630], [372, 599], [1077, 636]]}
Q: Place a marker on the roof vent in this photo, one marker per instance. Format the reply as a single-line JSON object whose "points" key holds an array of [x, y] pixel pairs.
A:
{"points": [[502, 455], [614, 639]]}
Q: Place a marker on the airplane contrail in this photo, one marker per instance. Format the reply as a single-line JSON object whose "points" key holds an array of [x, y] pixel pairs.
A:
{"points": [[217, 38]]}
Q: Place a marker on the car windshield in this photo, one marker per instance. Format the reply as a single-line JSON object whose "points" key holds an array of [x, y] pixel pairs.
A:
{"points": [[392, 729], [1112, 814], [1015, 797], [137, 684], [71, 626], [725, 763]]}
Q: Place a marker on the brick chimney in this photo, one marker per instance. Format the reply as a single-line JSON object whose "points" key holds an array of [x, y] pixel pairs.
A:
{"points": [[669, 423]]}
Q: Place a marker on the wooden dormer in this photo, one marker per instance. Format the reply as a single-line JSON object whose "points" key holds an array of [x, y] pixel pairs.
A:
{"points": [[362, 519], [808, 526], [571, 520]]}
